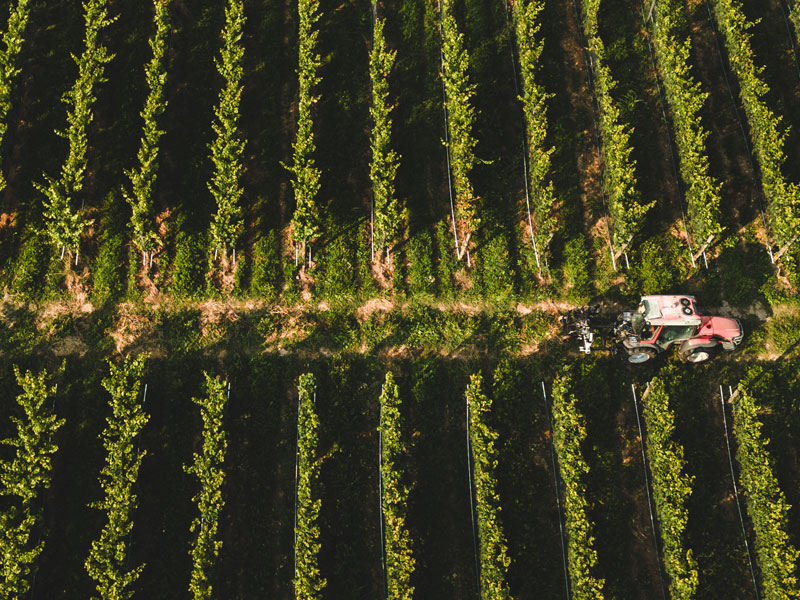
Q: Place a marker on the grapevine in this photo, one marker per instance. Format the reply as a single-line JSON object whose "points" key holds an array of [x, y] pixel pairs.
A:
{"points": [[227, 147], [308, 581], [306, 218], [64, 224], [494, 558], [569, 432], [685, 100], [13, 38], [534, 103], [107, 562], [385, 161], [399, 552], [671, 489], [23, 478], [207, 467], [143, 179], [766, 503]]}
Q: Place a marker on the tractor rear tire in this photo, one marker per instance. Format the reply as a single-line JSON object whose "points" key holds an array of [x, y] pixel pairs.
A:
{"points": [[698, 355], [637, 356]]}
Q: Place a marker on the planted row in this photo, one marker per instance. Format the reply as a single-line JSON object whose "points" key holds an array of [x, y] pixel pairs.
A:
{"points": [[107, 563], [308, 580], [227, 147], [766, 503], [671, 489], [569, 432], [494, 558], [306, 175], [544, 222], [400, 560], [783, 198], [619, 169], [64, 222], [461, 114], [685, 100], [22, 480], [143, 178], [13, 38]]}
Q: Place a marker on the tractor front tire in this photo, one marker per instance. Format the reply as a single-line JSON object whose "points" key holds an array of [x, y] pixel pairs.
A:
{"points": [[637, 356]]}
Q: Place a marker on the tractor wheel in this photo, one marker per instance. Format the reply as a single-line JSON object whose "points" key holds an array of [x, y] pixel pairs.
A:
{"points": [[698, 355], [640, 355]]}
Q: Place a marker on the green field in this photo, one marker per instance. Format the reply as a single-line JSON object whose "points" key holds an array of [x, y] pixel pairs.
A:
{"points": [[272, 200]]}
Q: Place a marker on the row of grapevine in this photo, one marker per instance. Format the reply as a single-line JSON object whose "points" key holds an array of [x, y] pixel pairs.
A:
{"points": [[143, 178], [385, 161], [64, 222], [400, 560], [107, 563], [461, 115], [534, 99], [569, 432], [671, 489], [619, 169], [494, 558], [207, 467], [766, 503], [308, 581], [685, 100], [227, 147], [783, 198], [13, 38], [306, 175], [22, 479], [795, 17]]}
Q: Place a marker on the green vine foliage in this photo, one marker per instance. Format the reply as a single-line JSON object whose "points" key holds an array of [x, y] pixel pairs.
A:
{"points": [[308, 581], [23, 478], [64, 224], [227, 147], [766, 503], [795, 18], [671, 489], [385, 161], [306, 219], [534, 103], [207, 467], [107, 562], [783, 198], [143, 178], [685, 99], [13, 38], [461, 115], [569, 432], [399, 552], [619, 169], [494, 558]]}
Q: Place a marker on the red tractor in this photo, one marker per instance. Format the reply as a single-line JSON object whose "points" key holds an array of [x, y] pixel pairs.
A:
{"points": [[658, 324]]}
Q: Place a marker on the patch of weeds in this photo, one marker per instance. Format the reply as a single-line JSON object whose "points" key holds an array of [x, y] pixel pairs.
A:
{"points": [[655, 268], [189, 266], [265, 272], [497, 281], [783, 331], [32, 263], [741, 272], [576, 270], [421, 278], [109, 267]]}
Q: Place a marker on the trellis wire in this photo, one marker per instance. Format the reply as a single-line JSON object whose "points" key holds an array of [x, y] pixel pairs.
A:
{"points": [[297, 481], [595, 112], [380, 496], [647, 489], [472, 506], [524, 136], [447, 134], [662, 104], [558, 498], [791, 37], [741, 125], [736, 490]]}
